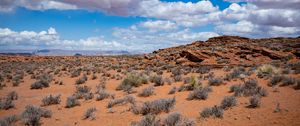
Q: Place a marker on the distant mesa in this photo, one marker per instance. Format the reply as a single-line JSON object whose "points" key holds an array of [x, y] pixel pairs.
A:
{"points": [[78, 54]]}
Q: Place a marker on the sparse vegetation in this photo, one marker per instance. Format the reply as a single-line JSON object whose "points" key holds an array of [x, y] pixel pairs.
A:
{"points": [[172, 90], [254, 101], [6, 103], [156, 106], [32, 114], [199, 93], [72, 102], [215, 81], [90, 113], [147, 91], [132, 80], [215, 111], [51, 100], [8, 120], [228, 102], [124, 100]]}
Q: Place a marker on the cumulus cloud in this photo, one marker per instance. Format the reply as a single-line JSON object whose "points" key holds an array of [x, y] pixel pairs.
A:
{"points": [[51, 39], [248, 29], [9, 5], [159, 25]]}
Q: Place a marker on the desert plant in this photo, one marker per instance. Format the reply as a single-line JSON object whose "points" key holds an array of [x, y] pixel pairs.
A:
{"points": [[157, 106], [275, 80], [94, 77], [199, 93], [12, 95], [102, 94], [124, 100], [288, 81], [172, 90], [237, 89], [32, 115], [177, 78], [215, 81], [51, 100], [215, 111], [132, 80], [206, 112], [82, 91], [40, 84], [147, 91], [266, 70], [90, 113], [147, 120], [8, 120], [297, 87], [176, 119], [6, 103], [72, 102], [158, 80], [228, 101], [81, 80], [254, 101]]}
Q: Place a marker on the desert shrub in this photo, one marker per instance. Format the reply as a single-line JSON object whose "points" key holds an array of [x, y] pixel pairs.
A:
{"points": [[266, 70], [254, 101], [297, 87], [82, 91], [72, 102], [12, 95], [168, 81], [102, 94], [90, 113], [215, 111], [275, 80], [147, 91], [8, 120], [157, 106], [199, 93], [158, 80], [132, 80], [250, 87], [235, 73], [124, 100], [177, 78], [6, 103], [172, 90], [237, 89], [206, 112], [51, 100], [147, 120], [176, 71], [288, 81], [215, 81], [203, 69], [43, 83], [81, 80], [88, 96], [32, 115], [2, 85], [75, 73], [176, 119], [228, 101]]}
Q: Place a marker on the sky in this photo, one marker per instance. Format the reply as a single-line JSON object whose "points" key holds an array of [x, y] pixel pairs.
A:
{"points": [[140, 25]]}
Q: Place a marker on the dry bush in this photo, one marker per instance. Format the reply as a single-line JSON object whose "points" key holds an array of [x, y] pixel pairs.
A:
{"points": [[156, 106], [72, 102], [90, 113], [51, 100], [8, 120], [32, 115], [146, 92], [124, 100], [199, 93], [228, 102]]}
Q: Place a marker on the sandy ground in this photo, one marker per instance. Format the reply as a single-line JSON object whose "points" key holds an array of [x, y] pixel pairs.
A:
{"points": [[240, 115]]}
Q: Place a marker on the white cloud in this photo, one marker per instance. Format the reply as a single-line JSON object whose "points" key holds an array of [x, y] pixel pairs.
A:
{"points": [[51, 39], [248, 29], [159, 25]]}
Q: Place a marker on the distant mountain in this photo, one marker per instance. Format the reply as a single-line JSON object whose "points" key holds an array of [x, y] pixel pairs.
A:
{"points": [[59, 52]]}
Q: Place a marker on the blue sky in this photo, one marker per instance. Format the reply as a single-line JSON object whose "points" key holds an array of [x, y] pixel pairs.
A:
{"points": [[139, 25]]}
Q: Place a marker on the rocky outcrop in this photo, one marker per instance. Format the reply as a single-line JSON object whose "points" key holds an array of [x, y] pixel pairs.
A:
{"points": [[191, 56]]}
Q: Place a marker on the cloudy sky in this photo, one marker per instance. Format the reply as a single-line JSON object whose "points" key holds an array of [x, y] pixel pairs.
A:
{"points": [[140, 25]]}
